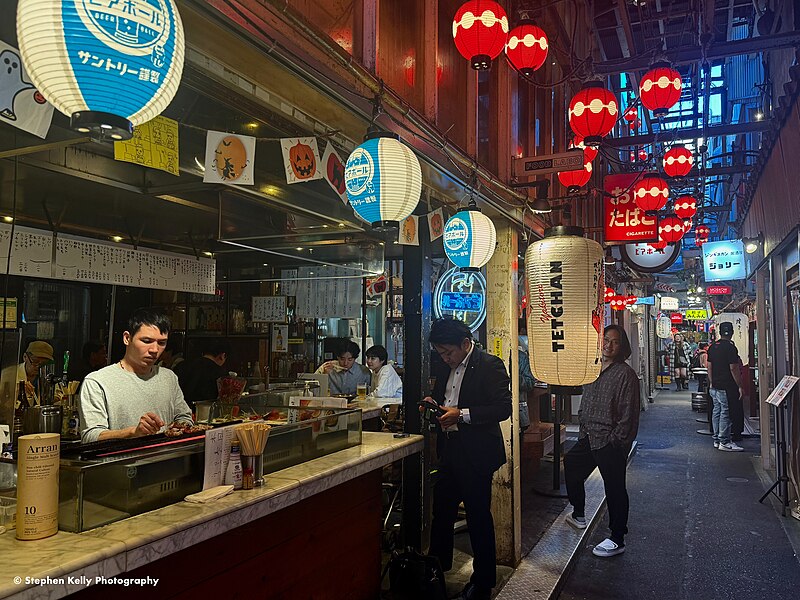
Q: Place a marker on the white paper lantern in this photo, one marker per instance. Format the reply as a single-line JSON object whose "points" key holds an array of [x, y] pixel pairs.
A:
{"points": [[108, 65], [565, 303], [383, 180], [469, 239], [664, 327], [741, 332]]}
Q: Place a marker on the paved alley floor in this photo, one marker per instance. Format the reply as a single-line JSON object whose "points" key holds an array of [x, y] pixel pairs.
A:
{"points": [[697, 530]]}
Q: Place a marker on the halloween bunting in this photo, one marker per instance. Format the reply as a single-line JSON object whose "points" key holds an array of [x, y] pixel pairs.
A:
{"points": [[436, 223], [333, 170], [301, 159], [229, 158]]}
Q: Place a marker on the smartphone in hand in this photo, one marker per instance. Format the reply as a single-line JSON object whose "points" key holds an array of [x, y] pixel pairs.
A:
{"points": [[432, 406]]}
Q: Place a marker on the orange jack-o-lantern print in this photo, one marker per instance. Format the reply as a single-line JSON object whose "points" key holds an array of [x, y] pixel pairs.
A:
{"points": [[335, 170], [230, 158], [436, 225], [303, 161]]}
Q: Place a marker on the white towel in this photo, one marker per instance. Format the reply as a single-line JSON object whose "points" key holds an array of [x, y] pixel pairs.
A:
{"points": [[210, 494]]}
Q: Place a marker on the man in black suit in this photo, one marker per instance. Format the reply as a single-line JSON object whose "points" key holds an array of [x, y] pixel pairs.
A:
{"points": [[473, 391]]}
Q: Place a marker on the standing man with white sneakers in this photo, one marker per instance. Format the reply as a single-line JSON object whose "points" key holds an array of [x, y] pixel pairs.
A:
{"points": [[724, 375], [609, 418]]}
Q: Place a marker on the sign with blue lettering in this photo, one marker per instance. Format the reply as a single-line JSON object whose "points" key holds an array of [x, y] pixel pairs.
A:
{"points": [[461, 295], [724, 261]]}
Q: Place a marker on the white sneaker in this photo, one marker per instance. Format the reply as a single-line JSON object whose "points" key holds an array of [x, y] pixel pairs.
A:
{"points": [[730, 447], [576, 522], [608, 548], [716, 444]]}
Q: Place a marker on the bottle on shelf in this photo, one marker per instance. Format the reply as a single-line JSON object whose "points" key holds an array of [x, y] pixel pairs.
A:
{"points": [[233, 474]]}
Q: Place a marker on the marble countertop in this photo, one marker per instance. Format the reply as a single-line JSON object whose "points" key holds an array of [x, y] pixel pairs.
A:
{"points": [[372, 407], [113, 550]]}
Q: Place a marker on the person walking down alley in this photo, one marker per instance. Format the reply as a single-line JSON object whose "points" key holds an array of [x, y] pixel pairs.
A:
{"points": [[679, 353], [609, 421], [473, 389], [726, 387]]}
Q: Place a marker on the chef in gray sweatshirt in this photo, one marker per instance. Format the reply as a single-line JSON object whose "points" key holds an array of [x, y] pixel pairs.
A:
{"points": [[135, 396]]}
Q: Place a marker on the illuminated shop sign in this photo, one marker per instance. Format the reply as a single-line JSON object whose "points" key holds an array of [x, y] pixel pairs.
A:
{"points": [[724, 261], [696, 314], [646, 259], [624, 221], [718, 290], [461, 295], [669, 303]]}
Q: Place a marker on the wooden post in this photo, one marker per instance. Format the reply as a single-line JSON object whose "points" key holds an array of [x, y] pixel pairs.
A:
{"points": [[502, 340]]}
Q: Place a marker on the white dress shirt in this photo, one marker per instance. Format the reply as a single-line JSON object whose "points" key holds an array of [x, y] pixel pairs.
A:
{"points": [[453, 389]]}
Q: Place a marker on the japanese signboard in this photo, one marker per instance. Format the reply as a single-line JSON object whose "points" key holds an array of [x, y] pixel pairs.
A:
{"points": [[646, 259], [782, 390], [676, 318], [552, 163], [696, 314], [461, 295], [724, 261], [669, 303], [741, 333], [624, 221], [718, 290]]}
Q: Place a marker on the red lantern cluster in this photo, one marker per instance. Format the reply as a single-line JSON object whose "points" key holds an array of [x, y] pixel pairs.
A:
{"points": [[526, 48], [589, 152], [610, 293], [631, 114], [670, 229], [630, 300], [678, 161], [660, 89], [651, 193], [686, 207], [617, 303], [575, 180], [593, 113], [480, 31]]}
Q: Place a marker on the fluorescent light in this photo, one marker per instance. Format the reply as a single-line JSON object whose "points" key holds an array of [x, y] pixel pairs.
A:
{"points": [[8, 219], [116, 238]]}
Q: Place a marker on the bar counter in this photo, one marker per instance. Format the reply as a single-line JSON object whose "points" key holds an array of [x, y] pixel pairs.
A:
{"points": [[296, 534]]}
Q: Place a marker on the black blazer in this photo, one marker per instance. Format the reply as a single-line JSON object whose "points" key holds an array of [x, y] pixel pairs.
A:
{"points": [[486, 392]]}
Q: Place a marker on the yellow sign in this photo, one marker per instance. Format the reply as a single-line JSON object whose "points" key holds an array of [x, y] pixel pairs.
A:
{"points": [[696, 314], [154, 144], [11, 313], [498, 347]]}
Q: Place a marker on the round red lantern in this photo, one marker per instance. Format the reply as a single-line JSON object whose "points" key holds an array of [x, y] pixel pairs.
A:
{"points": [[589, 153], [631, 114], [642, 154], [678, 161], [526, 48], [480, 30], [686, 207], [630, 300], [703, 231], [651, 193], [633, 125], [593, 113], [633, 156], [617, 302], [670, 229], [610, 293], [660, 88], [659, 245], [575, 180], [687, 226]]}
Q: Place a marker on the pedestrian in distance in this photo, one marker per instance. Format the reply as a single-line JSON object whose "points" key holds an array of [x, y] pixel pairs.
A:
{"points": [[726, 387]]}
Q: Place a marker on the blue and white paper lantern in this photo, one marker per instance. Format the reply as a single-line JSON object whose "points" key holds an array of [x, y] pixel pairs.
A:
{"points": [[383, 180], [469, 239], [107, 64]]}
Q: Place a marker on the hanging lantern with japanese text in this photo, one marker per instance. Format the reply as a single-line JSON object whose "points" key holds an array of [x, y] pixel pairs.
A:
{"points": [[664, 327], [565, 321], [469, 239], [480, 32]]}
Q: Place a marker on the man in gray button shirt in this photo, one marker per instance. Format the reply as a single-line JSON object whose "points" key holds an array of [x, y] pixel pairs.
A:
{"points": [[133, 397], [345, 373]]}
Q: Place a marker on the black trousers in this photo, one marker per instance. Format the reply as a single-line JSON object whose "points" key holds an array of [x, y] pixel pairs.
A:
{"points": [[736, 410], [457, 481], [579, 463]]}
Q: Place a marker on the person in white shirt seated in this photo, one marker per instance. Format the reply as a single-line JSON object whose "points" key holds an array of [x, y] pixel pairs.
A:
{"points": [[386, 383]]}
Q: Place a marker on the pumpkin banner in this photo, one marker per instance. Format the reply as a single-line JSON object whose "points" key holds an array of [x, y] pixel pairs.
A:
{"points": [[408, 234], [229, 158], [301, 159], [436, 223], [333, 171]]}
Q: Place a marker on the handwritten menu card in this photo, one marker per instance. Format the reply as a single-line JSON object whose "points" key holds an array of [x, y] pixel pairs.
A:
{"points": [[269, 309], [72, 258]]}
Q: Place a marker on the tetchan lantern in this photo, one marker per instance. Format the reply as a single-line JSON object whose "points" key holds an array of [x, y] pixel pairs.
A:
{"points": [[660, 89], [383, 180], [593, 113], [526, 48], [651, 193], [469, 239], [664, 327], [678, 161], [480, 31], [575, 180], [670, 229], [107, 67], [565, 317], [589, 152], [685, 207]]}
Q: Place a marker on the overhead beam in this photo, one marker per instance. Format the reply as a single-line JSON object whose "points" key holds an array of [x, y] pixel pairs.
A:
{"points": [[718, 130], [690, 54]]}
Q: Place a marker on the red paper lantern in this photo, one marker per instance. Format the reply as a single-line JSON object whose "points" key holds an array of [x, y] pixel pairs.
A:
{"points": [[593, 113], [642, 154], [686, 207], [659, 245], [610, 293], [651, 193], [631, 114], [526, 48], [678, 161], [575, 180], [630, 300], [480, 30], [660, 88], [633, 156], [617, 302], [703, 231], [670, 229], [589, 153], [633, 125], [687, 226]]}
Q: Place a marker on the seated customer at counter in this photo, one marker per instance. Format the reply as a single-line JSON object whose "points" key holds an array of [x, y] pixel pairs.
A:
{"points": [[198, 376], [386, 383], [133, 397], [344, 373]]}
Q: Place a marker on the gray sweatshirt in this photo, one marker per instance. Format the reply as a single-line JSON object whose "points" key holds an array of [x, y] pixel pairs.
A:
{"points": [[113, 398]]}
